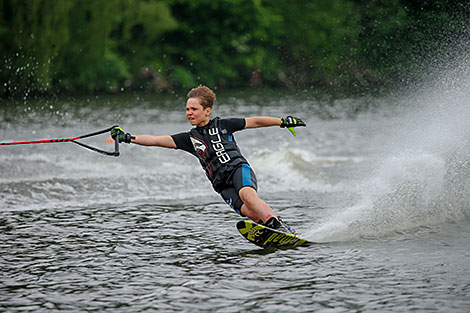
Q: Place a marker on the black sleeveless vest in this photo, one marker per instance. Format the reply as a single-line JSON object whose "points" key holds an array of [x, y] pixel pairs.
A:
{"points": [[217, 152]]}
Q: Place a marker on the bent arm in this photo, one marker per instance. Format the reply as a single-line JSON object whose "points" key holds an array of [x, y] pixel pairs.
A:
{"points": [[262, 121], [149, 140]]}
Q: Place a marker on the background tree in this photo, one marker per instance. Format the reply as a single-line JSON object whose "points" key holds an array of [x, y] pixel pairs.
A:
{"points": [[157, 45]]}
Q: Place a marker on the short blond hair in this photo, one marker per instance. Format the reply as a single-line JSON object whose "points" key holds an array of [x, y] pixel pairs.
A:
{"points": [[205, 95]]}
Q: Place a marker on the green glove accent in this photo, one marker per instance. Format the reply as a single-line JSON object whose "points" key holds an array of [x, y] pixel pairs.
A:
{"points": [[290, 122], [121, 136]]}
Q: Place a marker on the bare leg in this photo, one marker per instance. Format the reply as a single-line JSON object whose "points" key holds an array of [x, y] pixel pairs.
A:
{"points": [[253, 207]]}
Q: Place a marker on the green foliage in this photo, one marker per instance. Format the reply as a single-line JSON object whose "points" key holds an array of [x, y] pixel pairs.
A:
{"points": [[183, 77], [31, 37], [313, 39], [219, 41], [400, 38], [77, 45], [87, 45], [138, 36], [384, 38], [112, 40]]}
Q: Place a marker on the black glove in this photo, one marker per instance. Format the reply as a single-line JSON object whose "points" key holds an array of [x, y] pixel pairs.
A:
{"points": [[121, 136], [290, 122]]}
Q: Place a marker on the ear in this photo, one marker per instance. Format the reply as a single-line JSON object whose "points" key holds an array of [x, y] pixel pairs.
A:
{"points": [[208, 111]]}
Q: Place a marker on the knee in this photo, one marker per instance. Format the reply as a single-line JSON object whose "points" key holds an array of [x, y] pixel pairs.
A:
{"points": [[250, 213], [248, 195]]}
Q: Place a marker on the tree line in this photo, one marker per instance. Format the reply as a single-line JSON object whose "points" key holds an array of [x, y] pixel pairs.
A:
{"points": [[52, 46]]}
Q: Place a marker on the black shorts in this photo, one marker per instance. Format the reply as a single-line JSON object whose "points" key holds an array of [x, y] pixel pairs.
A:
{"points": [[241, 177]]}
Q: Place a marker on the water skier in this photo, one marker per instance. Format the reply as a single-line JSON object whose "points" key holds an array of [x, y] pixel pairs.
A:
{"points": [[212, 142]]}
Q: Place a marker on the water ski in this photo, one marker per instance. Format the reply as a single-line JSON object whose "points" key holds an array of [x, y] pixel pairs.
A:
{"points": [[269, 238]]}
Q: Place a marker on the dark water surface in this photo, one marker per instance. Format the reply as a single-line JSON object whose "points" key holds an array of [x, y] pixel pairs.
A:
{"points": [[381, 184]]}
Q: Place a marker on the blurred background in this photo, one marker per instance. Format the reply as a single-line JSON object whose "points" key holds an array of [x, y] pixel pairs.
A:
{"points": [[56, 46]]}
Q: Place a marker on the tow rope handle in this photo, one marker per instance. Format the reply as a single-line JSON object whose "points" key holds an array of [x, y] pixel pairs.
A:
{"points": [[114, 153]]}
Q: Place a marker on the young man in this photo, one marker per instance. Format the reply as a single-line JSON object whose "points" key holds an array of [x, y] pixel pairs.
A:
{"points": [[212, 142]]}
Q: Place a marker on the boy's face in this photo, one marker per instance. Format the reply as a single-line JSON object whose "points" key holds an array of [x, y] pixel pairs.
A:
{"points": [[196, 114]]}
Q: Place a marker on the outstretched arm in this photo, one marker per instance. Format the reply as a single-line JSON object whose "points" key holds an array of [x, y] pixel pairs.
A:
{"points": [[143, 140], [262, 121], [149, 140]]}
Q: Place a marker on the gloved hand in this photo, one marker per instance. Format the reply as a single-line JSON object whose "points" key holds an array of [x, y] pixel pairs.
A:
{"points": [[290, 122], [118, 133]]}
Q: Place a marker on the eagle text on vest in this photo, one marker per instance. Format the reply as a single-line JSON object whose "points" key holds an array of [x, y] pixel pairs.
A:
{"points": [[219, 148]]}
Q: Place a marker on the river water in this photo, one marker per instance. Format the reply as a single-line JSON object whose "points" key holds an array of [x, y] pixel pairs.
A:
{"points": [[380, 182]]}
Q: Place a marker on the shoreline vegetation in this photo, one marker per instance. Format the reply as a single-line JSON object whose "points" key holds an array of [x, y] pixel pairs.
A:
{"points": [[73, 47]]}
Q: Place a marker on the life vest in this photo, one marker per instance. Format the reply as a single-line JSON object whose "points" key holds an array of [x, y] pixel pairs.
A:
{"points": [[217, 152]]}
